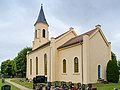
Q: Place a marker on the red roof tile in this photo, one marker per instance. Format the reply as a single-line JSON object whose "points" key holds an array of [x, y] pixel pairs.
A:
{"points": [[77, 39]]}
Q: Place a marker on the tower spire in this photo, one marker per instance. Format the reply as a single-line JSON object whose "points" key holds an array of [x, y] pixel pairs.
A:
{"points": [[41, 17]]}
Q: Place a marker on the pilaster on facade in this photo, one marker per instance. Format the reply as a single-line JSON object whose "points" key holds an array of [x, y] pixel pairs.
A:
{"points": [[85, 59], [27, 68], [52, 46], [109, 50]]}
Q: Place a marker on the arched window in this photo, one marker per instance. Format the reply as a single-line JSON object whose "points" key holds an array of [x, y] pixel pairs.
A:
{"points": [[36, 65], [99, 71], [64, 66], [76, 68], [35, 33], [45, 64], [43, 33], [30, 66]]}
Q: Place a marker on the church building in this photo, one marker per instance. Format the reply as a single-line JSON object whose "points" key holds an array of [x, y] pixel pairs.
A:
{"points": [[68, 57]]}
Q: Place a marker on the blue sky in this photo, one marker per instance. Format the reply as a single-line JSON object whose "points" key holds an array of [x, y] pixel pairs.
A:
{"points": [[17, 18]]}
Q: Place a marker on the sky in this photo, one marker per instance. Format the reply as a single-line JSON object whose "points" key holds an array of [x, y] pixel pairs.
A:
{"points": [[17, 18]]}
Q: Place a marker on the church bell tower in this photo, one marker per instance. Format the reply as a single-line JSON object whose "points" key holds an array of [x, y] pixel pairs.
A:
{"points": [[41, 34]]}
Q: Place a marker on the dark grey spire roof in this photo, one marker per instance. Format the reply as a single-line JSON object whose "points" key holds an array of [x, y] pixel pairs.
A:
{"points": [[41, 17]]}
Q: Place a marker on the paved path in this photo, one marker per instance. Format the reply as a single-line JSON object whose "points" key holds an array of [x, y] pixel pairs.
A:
{"points": [[17, 85]]}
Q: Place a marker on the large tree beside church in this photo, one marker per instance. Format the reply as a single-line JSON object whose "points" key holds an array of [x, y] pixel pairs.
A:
{"points": [[20, 61], [7, 68], [16, 66]]}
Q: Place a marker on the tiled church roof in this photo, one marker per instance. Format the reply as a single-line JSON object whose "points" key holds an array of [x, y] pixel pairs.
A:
{"points": [[77, 39]]}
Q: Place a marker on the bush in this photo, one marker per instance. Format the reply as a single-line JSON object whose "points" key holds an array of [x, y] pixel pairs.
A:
{"points": [[112, 72]]}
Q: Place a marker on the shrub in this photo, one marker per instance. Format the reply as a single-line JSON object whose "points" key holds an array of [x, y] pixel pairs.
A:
{"points": [[112, 72]]}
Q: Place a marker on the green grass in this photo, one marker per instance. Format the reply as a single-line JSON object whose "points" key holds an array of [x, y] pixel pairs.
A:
{"points": [[110, 86], [6, 83], [100, 86], [26, 84]]}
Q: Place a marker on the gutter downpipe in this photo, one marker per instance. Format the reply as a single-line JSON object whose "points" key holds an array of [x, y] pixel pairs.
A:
{"points": [[82, 62], [50, 66]]}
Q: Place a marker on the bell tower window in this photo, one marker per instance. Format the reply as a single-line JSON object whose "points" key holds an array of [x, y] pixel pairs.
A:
{"points": [[43, 33], [35, 33]]}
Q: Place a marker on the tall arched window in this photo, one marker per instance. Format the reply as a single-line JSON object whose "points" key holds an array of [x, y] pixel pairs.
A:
{"points": [[99, 71], [43, 33], [45, 64], [30, 66], [36, 65], [76, 68], [64, 66]]}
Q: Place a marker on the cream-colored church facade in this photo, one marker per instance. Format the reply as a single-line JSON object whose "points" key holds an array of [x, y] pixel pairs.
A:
{"points": [[68, 57]]}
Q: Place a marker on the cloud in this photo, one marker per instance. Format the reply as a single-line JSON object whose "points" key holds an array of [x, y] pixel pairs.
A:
{"points": [[17, 20]]}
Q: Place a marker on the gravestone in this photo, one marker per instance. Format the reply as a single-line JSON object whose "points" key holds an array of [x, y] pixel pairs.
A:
{"points": [[6, 87], [79, 86], [89, 87], [3, 80], [64, 86], [83, 86], [21, 80], [40, 79], [71, 85], [48, 86], [56, 84], [40, 87], [34, 82]]}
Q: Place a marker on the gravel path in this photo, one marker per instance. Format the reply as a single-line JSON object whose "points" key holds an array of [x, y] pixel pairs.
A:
{"points": [[17, 85]]}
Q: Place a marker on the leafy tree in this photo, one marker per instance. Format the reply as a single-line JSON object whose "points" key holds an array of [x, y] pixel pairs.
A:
{"points": [[118, 63], [20, 61], [113, 56], [6, 67], [13, 68], [0, 70]]}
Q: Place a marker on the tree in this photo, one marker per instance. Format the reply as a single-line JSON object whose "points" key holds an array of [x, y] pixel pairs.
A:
{"points": [[113, 56], [13, 68], [0, 70], [6, 68], [20, 61], [112, 71], [118, 63]]}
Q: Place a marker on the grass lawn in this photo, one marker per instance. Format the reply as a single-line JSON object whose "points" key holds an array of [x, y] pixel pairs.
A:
{"points": [[100, 86], [110, 86], [26, 84], [6, 83]]}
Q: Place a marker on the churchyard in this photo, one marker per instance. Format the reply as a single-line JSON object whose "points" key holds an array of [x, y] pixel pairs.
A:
{"points": [[6, 83], [99, 86]]}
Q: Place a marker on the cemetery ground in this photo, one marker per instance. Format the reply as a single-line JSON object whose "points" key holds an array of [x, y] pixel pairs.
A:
{"points": [[6, 83], [100, 86]]}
